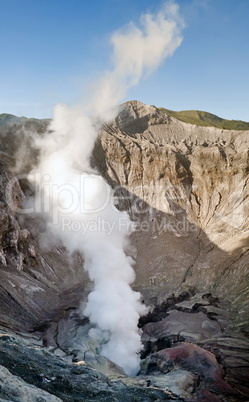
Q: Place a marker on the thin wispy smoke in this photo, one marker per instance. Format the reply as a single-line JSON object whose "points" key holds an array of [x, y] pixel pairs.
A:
{"points": [[72, 191], [137, 51]]}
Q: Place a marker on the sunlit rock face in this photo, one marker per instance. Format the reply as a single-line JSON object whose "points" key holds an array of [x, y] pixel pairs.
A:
{"points": [[193, 183], [186, 189]]}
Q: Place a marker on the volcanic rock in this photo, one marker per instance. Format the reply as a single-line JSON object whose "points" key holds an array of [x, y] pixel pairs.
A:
{"points": [[186, 189]]}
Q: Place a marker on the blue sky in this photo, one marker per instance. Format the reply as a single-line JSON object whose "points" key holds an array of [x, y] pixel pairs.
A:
{"points": [[52, 49]]}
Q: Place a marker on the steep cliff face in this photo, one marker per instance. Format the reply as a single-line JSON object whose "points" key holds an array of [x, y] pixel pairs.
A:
{"points": [[186, 189], [37, 282], [190, 185]]}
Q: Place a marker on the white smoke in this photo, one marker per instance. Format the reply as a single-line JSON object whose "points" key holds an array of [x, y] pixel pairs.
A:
{"points": [[75, 197], [137, 51]]}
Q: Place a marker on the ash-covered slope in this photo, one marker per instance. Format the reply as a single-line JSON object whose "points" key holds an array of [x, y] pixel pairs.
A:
{"points": [[194, 185], [186, 187]]}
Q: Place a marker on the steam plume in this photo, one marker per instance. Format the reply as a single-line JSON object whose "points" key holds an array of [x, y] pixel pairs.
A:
{"points": [[75, 197]]}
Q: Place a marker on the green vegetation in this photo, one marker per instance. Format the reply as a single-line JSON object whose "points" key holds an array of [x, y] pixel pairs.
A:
{"points": [[206, 119], [8, 119], [188, 116]]}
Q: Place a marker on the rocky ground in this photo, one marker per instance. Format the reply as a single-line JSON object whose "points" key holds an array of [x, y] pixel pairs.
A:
{"points": [[186, 187]]}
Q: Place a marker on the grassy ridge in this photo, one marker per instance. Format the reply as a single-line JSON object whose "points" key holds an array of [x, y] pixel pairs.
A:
{"points": [[206, 119], [8, 119], [196, 117]]}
